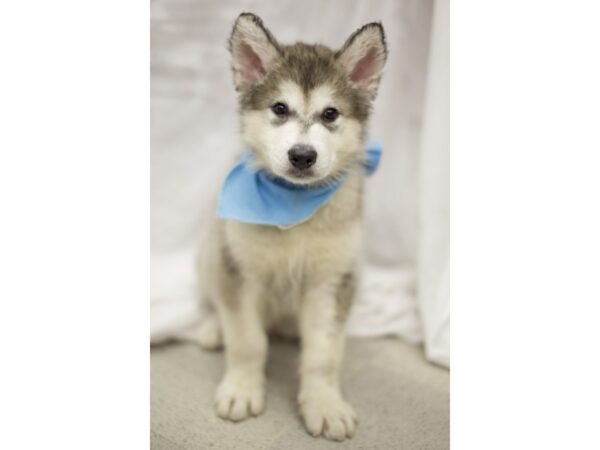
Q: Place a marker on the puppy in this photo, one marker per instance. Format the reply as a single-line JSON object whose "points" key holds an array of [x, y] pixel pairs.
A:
{"points": [[304, 111]]}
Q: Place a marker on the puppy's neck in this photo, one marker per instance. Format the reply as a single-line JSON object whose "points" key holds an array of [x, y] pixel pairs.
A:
{"points": [[345, 206]]}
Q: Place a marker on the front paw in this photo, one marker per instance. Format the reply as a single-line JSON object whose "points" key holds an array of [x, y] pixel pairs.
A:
{"points": [[326, 413], [240, 396]]}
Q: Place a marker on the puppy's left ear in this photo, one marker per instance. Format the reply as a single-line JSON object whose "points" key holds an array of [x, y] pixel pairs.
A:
{"points": [[253, 51], [363, 57]]}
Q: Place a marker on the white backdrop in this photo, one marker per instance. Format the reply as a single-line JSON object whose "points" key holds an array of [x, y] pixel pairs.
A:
{"points": [[194, 140]]}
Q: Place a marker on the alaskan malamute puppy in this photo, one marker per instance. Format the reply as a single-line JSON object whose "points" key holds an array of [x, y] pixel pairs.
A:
{"points": [[304, 112]]}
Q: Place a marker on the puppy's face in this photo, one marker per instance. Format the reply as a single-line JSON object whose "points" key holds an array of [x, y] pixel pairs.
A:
{"points": [[304, 109]]}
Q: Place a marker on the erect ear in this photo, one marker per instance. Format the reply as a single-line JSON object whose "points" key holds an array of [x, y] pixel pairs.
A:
{"points": [[253, 50], [363, 57]]}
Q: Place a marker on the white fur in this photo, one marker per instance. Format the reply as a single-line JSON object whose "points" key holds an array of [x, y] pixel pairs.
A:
{"points": [[262, 278], [312, 255], [272, 143]]}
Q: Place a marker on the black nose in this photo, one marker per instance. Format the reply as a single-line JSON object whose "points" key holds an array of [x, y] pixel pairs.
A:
{"points": [[302, 156]]}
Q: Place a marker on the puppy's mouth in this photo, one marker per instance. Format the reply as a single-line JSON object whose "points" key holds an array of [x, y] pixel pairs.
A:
{"points": [[304, 177], [297, 174]]}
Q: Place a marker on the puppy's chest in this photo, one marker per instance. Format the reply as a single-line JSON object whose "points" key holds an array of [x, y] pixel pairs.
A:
{"points": [[324, 244], [290, 258], [288, 263], [279, 255]]}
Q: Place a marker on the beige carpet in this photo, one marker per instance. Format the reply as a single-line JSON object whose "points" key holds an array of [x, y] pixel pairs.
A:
{"points": [[402, 400]]}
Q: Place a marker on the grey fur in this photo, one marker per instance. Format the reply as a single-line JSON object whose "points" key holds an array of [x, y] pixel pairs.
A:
{"points": [[350, 40], [309, 66], [229, 263], [345, 294]]}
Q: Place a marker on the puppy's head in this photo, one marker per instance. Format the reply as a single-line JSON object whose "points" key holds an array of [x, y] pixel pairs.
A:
{"points": [[304, 108]]}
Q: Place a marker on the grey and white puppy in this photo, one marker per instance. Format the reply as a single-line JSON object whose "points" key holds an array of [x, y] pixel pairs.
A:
{"points": [[304, 112]]}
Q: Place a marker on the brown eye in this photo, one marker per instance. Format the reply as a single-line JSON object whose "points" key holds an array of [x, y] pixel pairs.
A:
{"points": [[330, 114], [280, 109]]}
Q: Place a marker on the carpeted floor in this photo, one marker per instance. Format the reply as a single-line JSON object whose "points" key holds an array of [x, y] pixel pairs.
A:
{"points": [[402, 400]]}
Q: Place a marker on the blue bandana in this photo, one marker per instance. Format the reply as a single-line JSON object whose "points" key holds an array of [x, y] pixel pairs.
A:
{"points": [[252, 196]]}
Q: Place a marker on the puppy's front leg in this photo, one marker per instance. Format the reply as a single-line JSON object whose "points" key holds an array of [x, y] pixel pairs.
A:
{"points": [[242, 389], [322, 318]]}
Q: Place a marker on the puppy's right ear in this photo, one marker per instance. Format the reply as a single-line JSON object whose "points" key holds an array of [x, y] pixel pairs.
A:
{"points": [[253, 50]]}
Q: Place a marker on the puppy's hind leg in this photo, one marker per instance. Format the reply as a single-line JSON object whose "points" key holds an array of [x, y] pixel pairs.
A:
{"points": [[209, 334], [242, 390]]}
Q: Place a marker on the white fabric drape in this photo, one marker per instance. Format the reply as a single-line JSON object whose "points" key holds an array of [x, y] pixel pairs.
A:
{"points": [[433, 232], [194, 140]]}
